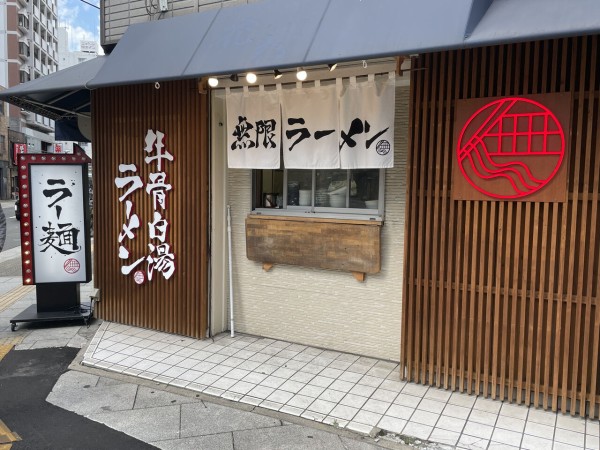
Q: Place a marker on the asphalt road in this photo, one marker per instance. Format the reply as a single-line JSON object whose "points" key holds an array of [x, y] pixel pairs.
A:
{"points": [[13, 232], [26, 379]]}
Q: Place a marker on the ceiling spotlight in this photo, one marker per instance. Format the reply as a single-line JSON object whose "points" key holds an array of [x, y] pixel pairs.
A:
{"points": [[301, 74], [234, 77], [213, 82], [332, 66], [251, 77], [277, 74]]}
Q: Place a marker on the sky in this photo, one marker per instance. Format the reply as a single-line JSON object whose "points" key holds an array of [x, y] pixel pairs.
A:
{"points": [[82, 20]]}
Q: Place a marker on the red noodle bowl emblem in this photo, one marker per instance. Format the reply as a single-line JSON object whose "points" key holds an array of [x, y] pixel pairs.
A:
{"points": [[511, 148]]}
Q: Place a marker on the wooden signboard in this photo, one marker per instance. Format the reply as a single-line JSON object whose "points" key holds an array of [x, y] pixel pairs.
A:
{"points": [[512, 148]]}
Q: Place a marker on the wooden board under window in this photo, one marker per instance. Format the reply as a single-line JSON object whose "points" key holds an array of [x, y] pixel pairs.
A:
{"points": [[500, 297]]}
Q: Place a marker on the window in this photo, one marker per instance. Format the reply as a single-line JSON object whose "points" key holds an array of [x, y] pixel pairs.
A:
{"points": [[321, 192]]}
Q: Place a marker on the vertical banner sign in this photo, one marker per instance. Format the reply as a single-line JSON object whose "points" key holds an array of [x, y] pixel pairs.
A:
{"points": [[159, 257], [512, 148], [254, 130], [310, 120], [367, 125], [18, 149], [55, 220]]}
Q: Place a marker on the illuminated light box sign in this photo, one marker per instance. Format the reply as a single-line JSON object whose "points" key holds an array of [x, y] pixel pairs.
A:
{"points": [[55, 220], [512, 148]]}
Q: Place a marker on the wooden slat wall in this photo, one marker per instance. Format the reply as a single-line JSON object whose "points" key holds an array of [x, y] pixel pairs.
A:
{"points": [[122, 116], [501, 298]]}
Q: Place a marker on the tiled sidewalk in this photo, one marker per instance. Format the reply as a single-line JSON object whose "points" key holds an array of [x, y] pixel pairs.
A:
{"points": [[335, 388]]}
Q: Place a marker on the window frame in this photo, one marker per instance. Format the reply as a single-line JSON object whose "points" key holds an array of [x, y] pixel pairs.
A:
{"points": [[320, 211]]}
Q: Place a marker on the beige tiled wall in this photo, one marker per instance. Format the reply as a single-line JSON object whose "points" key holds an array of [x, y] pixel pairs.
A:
{"points": [[325, 308]]}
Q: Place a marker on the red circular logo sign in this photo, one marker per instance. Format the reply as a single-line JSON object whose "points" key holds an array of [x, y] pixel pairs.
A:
{"points": [[511, 148], [139, 277], [71, 265]]}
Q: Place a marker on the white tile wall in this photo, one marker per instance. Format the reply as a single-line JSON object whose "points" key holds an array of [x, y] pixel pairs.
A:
{"points": [[326, 308]]}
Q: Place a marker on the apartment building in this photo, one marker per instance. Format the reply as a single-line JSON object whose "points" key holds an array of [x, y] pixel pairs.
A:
{"points": [[28, 50]]}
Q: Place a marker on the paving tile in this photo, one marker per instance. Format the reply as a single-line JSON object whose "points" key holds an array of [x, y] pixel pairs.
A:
{"points": [[261, 391], [451, 424], [224, 383], [331, 396], [515, 411], [249, 365], [407, 400], [280, 396], [437, 394], [456, 411], [371, 381], [358, 389], [401, 412], [350, 377], [592, 442], [543, 417], [367, 417], [335, 422], [214, 391], [174, 372], [242, 387], [311, 391], [202, 378], [271, 405], [392, 424], [359, 427], [343, 386], [539, 430], [302, 377], [248, 399], [233, 361], [418, 390], [321, 406], [331, 373], [592, 427], [431, 405], [384, 395], [376, 406], [424, 417], [478, 430], [569, 437], [237, 374], [444, 436], [355, 401], [417, 430], [501, 446], [205, 366], [508, 437], [460, 399], [487, 405], [273, 382], [282, 372], [233, 396], [561, 446], [188, 363], [266, 369], [535, 443], [344, 412], [472, 442], [341, 365], [292, 386], [287, 409], [482, 417], [312, 415], [321, 381], [300, 401], [570, 423], [254, 377], [510, 423]]}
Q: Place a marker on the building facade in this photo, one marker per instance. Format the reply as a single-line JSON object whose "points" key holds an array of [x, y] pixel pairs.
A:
{"points": [[29, 50], [474, 267]]}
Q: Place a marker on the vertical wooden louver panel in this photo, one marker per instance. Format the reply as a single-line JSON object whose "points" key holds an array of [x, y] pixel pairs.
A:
{"points": [[500, 297], [122, 116]]}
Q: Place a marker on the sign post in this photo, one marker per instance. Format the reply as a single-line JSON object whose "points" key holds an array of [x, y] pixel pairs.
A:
{"points": [[55, 234]]}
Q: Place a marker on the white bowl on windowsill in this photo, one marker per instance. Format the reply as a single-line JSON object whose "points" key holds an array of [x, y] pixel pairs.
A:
{"points": [[337, 200], [372, 204]]}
